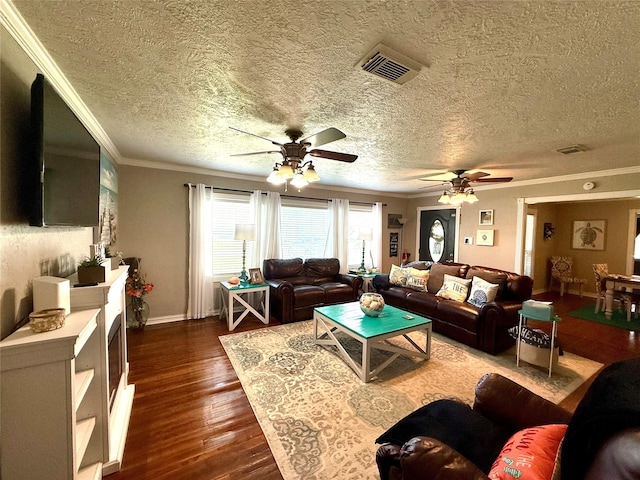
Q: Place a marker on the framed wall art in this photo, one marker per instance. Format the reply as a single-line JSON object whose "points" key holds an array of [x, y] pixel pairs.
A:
{"points": [[484, 238], [485, 217], [588, 234]]}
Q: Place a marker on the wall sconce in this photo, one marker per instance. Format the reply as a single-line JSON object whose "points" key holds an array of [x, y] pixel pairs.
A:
{"points": [[548, 230]]}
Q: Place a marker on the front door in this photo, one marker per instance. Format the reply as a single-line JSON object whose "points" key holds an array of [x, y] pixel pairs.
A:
{"points": [[437, 235]]}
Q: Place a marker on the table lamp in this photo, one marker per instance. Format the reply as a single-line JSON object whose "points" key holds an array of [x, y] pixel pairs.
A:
{"points": [[365, 234], [244, 232]]}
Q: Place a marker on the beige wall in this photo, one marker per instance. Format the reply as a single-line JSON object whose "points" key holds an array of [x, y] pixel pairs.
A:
{"points": [[25, 252], [154, 225]]}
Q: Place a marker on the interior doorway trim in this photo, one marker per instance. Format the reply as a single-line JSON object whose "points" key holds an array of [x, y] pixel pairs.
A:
{"points": [[457, 235], [523, 202]]}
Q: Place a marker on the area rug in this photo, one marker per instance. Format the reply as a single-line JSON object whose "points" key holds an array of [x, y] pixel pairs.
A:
{"points": [[321, 421], [618, 318]]}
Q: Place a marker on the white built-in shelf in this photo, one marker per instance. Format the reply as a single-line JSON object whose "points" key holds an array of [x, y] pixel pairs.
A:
{"points": [[92, 472], [84, 429], [82, 384]]}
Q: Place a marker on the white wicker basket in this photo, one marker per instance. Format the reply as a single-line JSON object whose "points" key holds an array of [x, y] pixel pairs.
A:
{"points": [[47, 320]]}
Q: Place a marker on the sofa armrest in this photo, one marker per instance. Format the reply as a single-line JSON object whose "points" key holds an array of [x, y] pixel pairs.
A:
{"points": [[381, 282], [507, 403], [354, 280], [281, 299], [425, 457], [388, 461]]}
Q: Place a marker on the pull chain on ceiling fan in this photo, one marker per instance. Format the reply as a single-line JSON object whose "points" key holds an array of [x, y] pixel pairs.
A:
{"points": [[293, 168]]}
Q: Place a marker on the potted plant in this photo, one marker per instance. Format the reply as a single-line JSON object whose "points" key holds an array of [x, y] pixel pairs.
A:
{"points": [[91, 270], [114, 259]]}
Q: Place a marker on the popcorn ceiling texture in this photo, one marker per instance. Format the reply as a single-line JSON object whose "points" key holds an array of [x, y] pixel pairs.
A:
{"points": [[504, 83]]}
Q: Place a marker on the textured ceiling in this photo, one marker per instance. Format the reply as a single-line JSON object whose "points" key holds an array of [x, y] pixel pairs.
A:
{"points": [[504, 83]]}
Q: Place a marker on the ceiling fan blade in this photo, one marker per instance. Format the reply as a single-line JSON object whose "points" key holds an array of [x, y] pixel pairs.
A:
{"points": [[254, 135], [325, 136], [472, 177], [254, 153], [342, 157], [493, 180], [442, 177]]}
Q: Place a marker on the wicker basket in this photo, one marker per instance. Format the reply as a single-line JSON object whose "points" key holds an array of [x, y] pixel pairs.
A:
{"points": [[47, 320]]}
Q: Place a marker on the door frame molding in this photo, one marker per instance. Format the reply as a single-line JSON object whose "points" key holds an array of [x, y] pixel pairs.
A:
{"points": [[457, 223]]}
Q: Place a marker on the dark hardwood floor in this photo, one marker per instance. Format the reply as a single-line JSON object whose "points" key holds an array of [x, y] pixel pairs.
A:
{"points": [[191, 419]]}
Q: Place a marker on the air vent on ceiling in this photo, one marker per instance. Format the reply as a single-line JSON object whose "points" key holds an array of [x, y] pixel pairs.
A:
{"points": [[389, 64], [572, 149]]}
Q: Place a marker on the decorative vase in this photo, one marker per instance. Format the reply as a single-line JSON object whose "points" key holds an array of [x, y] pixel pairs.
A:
{"points": [[137, 313], [371, 304]]}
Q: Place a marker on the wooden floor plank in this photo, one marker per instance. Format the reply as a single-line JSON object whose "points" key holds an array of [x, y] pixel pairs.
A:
{"points": [[191, 419]]}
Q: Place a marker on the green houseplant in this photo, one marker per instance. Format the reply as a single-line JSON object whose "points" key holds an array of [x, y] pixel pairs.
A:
{"points": [[90, 270]]}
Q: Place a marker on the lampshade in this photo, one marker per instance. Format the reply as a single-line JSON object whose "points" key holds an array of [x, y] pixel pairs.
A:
{"points": [[286, 172], [245, 231], [365, 234], [275, 178], [310, 174], [444, 198], [298, 180]]}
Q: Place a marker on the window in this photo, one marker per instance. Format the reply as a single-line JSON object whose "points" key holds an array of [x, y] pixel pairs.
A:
{"points": [[226, 211], [360, 217], [304, 228]]}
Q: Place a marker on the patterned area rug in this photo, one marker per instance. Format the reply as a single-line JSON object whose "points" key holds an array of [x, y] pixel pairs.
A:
{"points": [[321, 421]]}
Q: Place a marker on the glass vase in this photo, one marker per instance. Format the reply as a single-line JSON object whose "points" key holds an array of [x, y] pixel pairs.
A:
{"points": [[137, 313]]}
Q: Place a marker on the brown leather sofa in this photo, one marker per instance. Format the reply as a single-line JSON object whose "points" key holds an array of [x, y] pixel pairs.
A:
{"points": [[602, 440], [297, 287], [485, 327]]}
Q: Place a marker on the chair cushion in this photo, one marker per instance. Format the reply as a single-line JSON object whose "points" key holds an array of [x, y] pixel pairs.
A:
{"points": [[456, 424], [307, 295]]}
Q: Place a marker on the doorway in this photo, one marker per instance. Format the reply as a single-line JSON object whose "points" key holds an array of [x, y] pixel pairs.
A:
{"points": [[437, 240]]}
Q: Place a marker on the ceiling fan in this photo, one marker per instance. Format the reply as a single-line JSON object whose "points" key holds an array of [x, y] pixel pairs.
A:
{"points": [[460, 189], [293, 167]]}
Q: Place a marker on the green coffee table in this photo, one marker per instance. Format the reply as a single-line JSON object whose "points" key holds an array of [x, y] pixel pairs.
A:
{"points": [[371, 332]]}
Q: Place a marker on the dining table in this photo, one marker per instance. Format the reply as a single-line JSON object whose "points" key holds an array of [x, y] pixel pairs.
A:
{"points": [[615, 282]]}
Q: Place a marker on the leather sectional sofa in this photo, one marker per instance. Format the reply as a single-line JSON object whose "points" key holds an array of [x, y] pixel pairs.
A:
{"points": [[484, 327], [297, 287]]}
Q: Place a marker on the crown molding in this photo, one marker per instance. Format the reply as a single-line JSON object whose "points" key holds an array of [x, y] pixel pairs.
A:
{"points": [[11, 19]]}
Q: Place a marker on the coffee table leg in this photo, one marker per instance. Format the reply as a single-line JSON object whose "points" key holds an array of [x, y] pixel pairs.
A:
{"points": [[365, 372]]}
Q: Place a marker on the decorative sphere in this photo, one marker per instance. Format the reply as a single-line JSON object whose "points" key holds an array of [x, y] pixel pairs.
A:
{"points": [[371, 304]]}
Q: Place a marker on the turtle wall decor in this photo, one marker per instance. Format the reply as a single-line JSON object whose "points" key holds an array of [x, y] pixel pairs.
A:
{"points": [[588, 234]]}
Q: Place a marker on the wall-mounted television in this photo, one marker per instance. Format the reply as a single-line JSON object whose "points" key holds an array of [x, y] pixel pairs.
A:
{"points": [[66, 168]]}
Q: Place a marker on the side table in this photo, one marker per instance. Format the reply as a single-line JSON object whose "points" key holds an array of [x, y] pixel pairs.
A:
{"points": [[234, 293], [367, 280], [524, 315]]}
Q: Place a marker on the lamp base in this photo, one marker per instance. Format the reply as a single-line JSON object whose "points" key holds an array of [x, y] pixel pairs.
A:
{"points": [[244, 278]]}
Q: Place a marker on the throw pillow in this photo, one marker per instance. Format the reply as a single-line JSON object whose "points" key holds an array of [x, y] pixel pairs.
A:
{"points": [[398, 276], [436, 275], [482, 292], [498, 278], [454, 288], [417, 279], [530, 454], [456, 424]]}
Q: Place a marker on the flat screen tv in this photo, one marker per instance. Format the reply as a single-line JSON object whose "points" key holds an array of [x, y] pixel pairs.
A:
{"points": [[67, 163]]}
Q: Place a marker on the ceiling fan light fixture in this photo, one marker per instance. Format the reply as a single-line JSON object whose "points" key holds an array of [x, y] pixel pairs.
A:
{"points": [[444, 198], [471, 197], [298, 181]]}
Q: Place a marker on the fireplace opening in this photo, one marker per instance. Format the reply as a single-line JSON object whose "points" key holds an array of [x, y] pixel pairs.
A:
{"points": [[114, 342]]}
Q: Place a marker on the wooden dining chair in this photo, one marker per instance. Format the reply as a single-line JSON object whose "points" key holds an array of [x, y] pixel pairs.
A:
{"points": [[600, 271]]}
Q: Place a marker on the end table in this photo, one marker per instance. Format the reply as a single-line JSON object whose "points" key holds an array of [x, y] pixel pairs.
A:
{"points": [[234, 293]]}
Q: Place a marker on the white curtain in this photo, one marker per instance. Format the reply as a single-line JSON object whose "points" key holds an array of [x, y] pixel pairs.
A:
{"points": [[200, 302], [266, 213], [376, 244], [338, 237]]}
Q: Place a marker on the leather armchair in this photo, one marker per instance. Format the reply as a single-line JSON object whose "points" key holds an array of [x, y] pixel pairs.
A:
{"points": [[601, 442], [297, 287]]}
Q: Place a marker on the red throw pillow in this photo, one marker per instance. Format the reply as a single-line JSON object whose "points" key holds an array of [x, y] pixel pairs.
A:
{"points": [[529, 454]]}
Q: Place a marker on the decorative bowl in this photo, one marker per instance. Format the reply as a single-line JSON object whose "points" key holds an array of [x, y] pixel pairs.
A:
{"points": [[47, 320], [371, 304]]}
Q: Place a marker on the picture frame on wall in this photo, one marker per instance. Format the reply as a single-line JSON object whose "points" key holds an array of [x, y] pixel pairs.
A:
{"points": [[485, 217], [588, 234], [484, 238], [255, 276]]}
